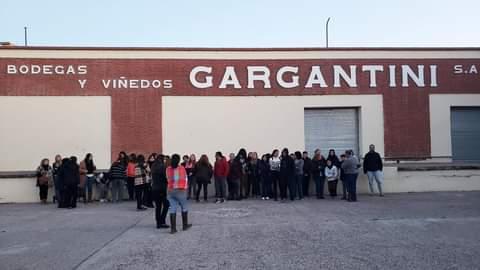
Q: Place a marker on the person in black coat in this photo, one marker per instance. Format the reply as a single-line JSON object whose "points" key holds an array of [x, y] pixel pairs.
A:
{"points": [[333, 158], [69, 177], [373, 167], [203, 175], [265, 179], [287, 174], [318, 168], [235, 173], [159, 191], [307, 173]]}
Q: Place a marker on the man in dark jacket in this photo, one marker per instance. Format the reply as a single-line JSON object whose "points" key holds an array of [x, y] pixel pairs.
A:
{"points": [[307, 173], [373, 167], [287, 174], [69, 177], [159, 191]]}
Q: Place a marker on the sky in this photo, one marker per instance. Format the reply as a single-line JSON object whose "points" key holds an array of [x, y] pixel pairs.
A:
{"points": [[245, 23]]}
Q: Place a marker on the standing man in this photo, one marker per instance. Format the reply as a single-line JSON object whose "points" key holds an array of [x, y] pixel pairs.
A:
{"points": [[159, 191], [373, 166]]}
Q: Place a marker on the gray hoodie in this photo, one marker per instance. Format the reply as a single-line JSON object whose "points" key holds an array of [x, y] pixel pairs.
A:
{"points": [[350, 165]]}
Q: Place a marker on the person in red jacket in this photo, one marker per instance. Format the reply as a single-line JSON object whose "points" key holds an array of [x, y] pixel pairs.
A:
{"points": [[220, 172]]}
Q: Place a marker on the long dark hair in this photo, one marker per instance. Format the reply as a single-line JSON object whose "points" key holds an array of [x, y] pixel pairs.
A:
{"points": [[141, 159], [87, 157], [150, 162], [175, 161], [242, 153]]}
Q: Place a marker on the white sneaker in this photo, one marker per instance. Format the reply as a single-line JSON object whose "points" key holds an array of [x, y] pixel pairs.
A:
{"points": [[267, 198]]}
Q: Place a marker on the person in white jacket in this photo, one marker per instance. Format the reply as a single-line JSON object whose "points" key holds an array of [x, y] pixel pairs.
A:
{"points": [[331, 173]]}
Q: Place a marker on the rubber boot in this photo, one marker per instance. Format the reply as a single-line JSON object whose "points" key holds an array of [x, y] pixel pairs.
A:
{"points": [[173, 223], [186, 226]]}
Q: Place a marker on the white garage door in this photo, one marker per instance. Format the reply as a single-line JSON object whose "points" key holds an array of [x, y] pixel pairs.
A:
{"points": [[331, 129]]}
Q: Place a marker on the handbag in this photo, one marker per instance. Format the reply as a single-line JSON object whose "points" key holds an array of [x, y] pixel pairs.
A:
{"points": [[43, 180]]}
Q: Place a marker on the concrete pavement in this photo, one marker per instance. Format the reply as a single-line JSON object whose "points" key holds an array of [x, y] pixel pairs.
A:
{"points": [[400, 231]]}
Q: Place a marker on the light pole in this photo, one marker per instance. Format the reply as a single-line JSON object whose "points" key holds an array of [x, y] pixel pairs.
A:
{"points": [[326, 27], [25, 35]]}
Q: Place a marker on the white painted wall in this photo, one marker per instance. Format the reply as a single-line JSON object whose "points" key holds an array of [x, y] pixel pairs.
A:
{"points": [[32, 128], [440, 125], [204, 125]]}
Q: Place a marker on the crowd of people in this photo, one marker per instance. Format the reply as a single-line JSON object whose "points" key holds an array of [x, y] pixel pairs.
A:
{"points": [[164, 183]]}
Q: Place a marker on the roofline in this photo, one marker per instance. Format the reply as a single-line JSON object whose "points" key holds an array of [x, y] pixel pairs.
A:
{"points": [[74, 48]]}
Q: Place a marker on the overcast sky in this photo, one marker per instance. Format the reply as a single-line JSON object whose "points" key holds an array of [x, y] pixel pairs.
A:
{"points": [[242, 23]]}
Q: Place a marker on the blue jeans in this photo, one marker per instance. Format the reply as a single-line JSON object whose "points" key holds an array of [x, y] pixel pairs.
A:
{"points": [[117, 188], [319, 185], [177, 197], [352, 186], [89, 186], [378, 177]]}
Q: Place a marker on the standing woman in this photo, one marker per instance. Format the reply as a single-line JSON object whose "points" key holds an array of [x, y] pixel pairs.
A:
{"points": [[132, 163], [253, 176], [140, 180], [159, 191], [87, 171], [242, 157], [190, 168], [307, 173], [147, 196], [44, 179], [275, 172], [56, 183], [350, 168], [318, 169], [203, 174], [298, 184], [220, 172], [331, 173], [177, 187], [333, 157], [264, 174], [230, 184], [287, 173]]}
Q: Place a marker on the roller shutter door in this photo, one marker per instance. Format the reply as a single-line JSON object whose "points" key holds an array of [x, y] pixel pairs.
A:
{"points": [[331, 129], [465, 124]]}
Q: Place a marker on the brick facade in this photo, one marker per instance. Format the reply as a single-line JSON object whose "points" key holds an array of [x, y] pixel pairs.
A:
{"points": [[137, 113]]}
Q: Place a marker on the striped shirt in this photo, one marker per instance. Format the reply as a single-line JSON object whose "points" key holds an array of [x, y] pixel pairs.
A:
{"points": [[177, 178]]}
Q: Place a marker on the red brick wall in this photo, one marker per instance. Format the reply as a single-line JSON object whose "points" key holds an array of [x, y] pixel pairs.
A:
{"points": [[136, 113]]}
